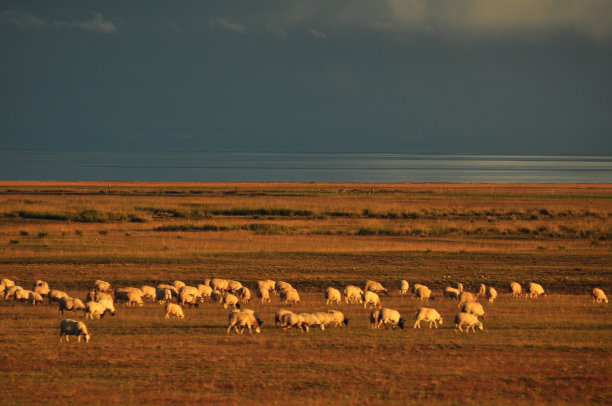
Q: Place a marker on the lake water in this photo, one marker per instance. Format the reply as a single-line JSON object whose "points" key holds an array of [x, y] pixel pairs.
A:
{"points": [[299, 167]]}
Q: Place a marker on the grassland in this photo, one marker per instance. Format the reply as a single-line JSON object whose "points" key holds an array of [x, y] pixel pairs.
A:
{"points": [[552, 351]]}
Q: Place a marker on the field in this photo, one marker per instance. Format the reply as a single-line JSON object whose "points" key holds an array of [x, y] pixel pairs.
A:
{"points": [[553, 350]]}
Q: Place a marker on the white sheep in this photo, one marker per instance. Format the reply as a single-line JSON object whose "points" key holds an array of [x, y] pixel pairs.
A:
{"points": [[270, 285], [148, 292], [230, 300], [289, 296], [35, 297], [289, 320], [22, 295], [69, 327], [41, 287], [312, 320], [281, 285], [466, 297], [178, 285], [403, 287], [216, 296], [332, 295], [458, 286], [205, 291], [243, 319], [122, 294], [370, 299], [71, 303], [415, 287], [325, 318], [5, 282], [474, 308], [516, 289], [244, 294], [482, 290], [390, 317], [423, 293], [93, 309], [172, 289], [56, 295], [338, 317], [219, 284], [279, 314], [467, 320], [172, 309], [491, 294], [599, 296], [376, 287], [233, 286], [429, 315], [188, 298], [163, 295], [260, 321], [374, 318], [451, 293], [263, 295], [10, 291], [102, 286], [535, 290], [353, 294]]}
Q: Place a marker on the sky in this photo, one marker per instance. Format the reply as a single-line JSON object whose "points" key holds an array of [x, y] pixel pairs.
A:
{"points": [[412, 76]]}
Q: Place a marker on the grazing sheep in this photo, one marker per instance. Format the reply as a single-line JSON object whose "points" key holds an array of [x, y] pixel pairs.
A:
{"points": [[374, 318], [10, 291], [135, 298], [190, 289], [482, 290], [390, 317], [268, 285], [353, 294], [415, 287], [474, 308], [102, 286], [338, 317], [370, 299], [243, 319], [163, 295], [5, 282], [458, 286], [56, 295], [233, 286], [325, 318], [41, 287], [535, 290], [451, 293], [289, 320], [599, 296], [35, 297], [69, 327], [122, 294], [148, 292], [93, 309], [403, 287], [376, 287], [219, 284], [188, 298], [205, 291], [312, 320], [230, 300], [171, 288], [216, 296], [290, 296], [466, 297], [429, 315], [332, 295], [172, 309], [491, 294], [282, 285], [279, 314], [423, 293], [22, 295], [71, 303], [516, 289], [260, 321], [263, 295], [467, 320], [244, 294], [178, 285]]}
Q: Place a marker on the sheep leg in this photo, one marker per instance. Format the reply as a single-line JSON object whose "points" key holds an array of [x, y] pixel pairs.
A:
{"points": [[417, 324]]}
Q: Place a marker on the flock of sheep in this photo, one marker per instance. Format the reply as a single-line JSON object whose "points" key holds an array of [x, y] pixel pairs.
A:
{"points": [[101, 298]]}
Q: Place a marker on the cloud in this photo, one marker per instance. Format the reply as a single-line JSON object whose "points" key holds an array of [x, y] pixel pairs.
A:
{"points": [[96, 24], [316, 33], [228, 25], [21, 18]]}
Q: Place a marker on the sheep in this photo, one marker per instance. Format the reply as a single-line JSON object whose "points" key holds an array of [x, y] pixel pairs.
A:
{"points": [[97, 309], [190, 289], [260, 321], [415, 287], [370, 299], [338, 318], [491, 294], [403, 287], [325, 318], [230, 300], [469, 320], [390, 317], [219, 284], [474, 308], [163, 295], [289, 320], [178, 285], [451, 293], [535, 290], [466, 297], [312, 320], [290, 296], [10, 291], [233, 286], [216, 296], [423, 293], [243, 319], [376, 287], [56, 295], [263, 295], [5, 282], [279, 314], [172, 289], [516, 289], [281, 285], [205, 291], [332, 295], [148, 292], [244, 294], [172, 309], [135, 298], [71, 303], [41, 287], [458, 286], [353, 294], [374, 318], [102, 286], [188, 298], [69, 327], [268, 285], [599, 296], [22, 295], [122, 294], [482, 290], [429, 315]]}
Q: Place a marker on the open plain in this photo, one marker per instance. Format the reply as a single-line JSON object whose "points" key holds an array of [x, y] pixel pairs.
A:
{"points": [[553, 350]]}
